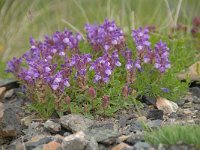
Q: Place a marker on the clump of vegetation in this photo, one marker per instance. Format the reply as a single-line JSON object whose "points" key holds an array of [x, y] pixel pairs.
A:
{"points": [[96, 78], [170, 135]]}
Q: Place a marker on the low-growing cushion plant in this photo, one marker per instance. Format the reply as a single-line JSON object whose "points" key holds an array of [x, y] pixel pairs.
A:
{"points": [[174, 134], [64, 73]]}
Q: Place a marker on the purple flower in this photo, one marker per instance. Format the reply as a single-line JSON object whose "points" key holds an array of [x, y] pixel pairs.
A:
{"points": [[166, 90], [104, 66], [161, 57], [105, 37], [14, 65], [141, 38], [58, 82]]}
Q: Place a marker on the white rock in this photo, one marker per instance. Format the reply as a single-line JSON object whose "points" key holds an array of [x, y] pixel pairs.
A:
{"points": [[166, 106]]}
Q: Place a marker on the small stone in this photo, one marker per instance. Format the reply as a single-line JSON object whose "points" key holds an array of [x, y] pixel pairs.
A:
{"points": [[123, 138], [53, 127], [187, 111], [2, 92], [9, 124], [8, 94], [167, 106], [155, 123], [181, 102], [141, 146], [78, 141], [195, 91], [187, 105], [26, 121], [134, 138], [122, 146], [155, 114], [66, 134], [75, 123], [196, 100], [52, 146]]}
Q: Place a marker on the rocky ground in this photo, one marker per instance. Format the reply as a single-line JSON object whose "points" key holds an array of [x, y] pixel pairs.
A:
{"points": [[21, 130]]}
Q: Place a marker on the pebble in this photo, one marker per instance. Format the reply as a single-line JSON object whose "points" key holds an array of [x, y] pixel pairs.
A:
{"points": [[53, 127], [166, 106]]}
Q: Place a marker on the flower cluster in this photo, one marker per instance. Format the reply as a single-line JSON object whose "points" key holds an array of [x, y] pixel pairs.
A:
{"points": [[161, 57], [52, 66], [141, 38], [104, 66], [80, 63], [106, 36]]}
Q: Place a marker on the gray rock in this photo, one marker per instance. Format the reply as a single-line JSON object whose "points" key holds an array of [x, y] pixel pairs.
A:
{"points": [[34, 129], [8, 94], [75, 123], [141, 146], [155, 114], [155, 123], [195, 91], [181, 102], [31, 145], [134, 138], [196, 100], [92, 145], [103, 133], [79, 141], [66, 134], [9, 124], [39, 147], [9, 83], [51, 126]]}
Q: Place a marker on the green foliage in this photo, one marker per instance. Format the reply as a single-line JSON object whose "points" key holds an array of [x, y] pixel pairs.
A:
{"points": [[170, 135], [150, 82]]}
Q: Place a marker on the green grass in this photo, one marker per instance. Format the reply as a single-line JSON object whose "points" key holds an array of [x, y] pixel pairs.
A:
{"points": [[170, 135]]}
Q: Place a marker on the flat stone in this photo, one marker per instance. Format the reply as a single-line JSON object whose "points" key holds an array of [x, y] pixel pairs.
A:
{"points": [[75, 123], [51, 126], [9, 124]]}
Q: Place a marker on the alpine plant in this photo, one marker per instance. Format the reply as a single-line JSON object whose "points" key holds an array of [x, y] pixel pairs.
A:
{"points": [[56, 63]]}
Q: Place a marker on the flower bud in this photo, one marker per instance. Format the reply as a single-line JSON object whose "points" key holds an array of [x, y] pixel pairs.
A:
{"points": [[125, 91], [92, 92], [105, 101], [67, 100]]}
